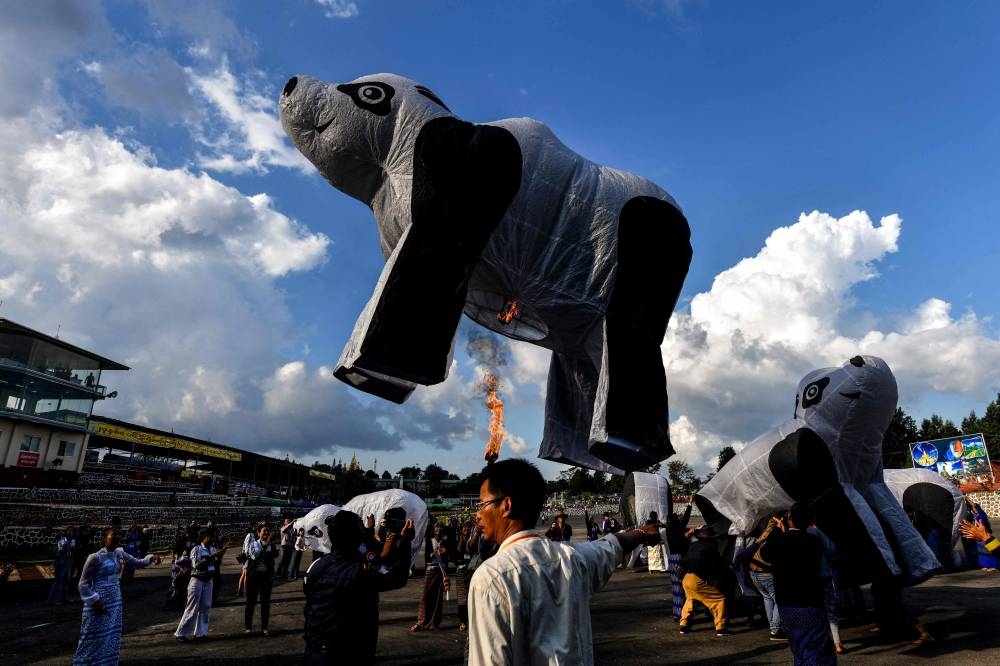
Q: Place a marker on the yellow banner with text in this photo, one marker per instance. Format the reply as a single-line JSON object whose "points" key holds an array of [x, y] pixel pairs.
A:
{"points": [[149, 439]]}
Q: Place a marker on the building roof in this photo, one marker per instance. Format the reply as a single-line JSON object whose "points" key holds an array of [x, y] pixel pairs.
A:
{"points": [[14, 327]]}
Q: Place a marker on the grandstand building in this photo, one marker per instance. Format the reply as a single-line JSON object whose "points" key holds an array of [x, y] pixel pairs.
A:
{"points": [[48, 388]]}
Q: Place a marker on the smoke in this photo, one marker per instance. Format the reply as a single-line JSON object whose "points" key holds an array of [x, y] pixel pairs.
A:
{"points": [[487, 349]]}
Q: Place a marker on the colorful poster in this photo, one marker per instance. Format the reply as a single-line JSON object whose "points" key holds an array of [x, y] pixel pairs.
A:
{"points": [[961, 458]]}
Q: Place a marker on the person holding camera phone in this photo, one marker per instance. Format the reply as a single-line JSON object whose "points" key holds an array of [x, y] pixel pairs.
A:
{"points": [[101, 627], [342, 588], [205, 561], [259, 567]]}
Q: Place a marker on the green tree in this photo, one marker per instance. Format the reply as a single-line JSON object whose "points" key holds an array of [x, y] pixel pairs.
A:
{"points": [[936, 427], [555, 486], [353, 482], [681, 476], [371, 474], [580, 481], [386, 475], [726, 453], [989, 425], [435, 474], [471, 484], [902, 432], [615, 484], [412, 472]]}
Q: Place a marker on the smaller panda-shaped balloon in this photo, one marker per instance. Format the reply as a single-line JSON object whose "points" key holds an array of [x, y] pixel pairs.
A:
{"points": [[829, 456], [503, 222]]}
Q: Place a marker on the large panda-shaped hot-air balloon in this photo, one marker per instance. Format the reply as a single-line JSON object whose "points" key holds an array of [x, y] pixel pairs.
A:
{"points": [[829, 455], [503, 222]]}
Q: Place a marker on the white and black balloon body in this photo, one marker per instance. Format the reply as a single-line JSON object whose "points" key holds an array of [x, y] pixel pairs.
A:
{"points": [[375, 504], [314, 523], [934, 501], [476, 218], [644, 492], [830, 456]]}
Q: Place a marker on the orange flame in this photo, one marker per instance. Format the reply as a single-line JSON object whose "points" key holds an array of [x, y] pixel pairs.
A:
{"points": [[492, 383], [511, 309]]}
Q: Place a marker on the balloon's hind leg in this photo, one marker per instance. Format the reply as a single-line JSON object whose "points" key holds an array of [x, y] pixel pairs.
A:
{"points": [[630, 428]]}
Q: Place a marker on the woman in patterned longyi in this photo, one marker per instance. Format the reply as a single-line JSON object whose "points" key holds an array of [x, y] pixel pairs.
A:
{"points": [[101, 628]]}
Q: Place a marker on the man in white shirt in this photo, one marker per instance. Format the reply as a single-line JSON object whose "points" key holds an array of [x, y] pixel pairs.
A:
{"points": [[530, 603]]}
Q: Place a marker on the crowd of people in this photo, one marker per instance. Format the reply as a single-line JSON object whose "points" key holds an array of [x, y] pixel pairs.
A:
{"points": [[785, 571]]}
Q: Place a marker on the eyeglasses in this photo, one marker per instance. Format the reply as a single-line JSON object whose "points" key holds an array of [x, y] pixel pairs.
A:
{"points": [[483, 505]]}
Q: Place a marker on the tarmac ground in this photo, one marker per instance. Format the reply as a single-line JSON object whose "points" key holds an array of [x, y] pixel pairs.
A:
{"points": [[631, 625]]}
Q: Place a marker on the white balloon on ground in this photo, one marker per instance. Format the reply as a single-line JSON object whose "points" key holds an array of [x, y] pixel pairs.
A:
{"points": [[379, 502], [314, 524]]}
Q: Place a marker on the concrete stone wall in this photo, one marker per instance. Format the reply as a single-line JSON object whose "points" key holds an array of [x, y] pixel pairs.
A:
{"points": [[161, 537], [111, 497], [49, 515], [31, 519]]}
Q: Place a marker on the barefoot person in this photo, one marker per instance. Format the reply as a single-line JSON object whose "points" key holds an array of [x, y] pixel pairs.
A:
{"points": [[530, 603]]}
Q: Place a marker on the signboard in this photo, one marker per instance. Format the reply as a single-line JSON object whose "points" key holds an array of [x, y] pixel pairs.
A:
{"points": [[961, 458], [151, 439], [27, 459], [322, 475]]}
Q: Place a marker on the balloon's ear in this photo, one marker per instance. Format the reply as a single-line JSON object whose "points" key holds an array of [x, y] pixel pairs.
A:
{"points": [[802, 465], [713, 517]]}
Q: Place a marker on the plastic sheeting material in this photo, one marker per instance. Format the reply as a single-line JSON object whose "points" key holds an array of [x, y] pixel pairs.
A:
{"points": [[378, 502], [314, 524], [829, 455], [946, 507], [375, 504], [496, 213], [644, 492]]}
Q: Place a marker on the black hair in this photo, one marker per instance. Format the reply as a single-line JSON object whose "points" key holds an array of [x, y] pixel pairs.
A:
{"points": [[519, 480], [395, 513], [207, 532], [802, 515], [346, 531]]}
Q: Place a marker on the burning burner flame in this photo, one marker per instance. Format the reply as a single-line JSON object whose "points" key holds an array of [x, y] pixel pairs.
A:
{"points": [[492, 383], [511, 308]]}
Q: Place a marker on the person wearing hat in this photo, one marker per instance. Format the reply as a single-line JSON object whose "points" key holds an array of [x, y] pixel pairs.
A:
{"points": [[560, 529], [342, 588], [703, 578]]}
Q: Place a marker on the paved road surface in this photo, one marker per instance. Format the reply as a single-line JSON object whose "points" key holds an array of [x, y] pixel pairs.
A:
{"points": [[631, 619]]}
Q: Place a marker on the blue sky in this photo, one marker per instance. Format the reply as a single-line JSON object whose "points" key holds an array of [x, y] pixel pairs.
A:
{"points": [[152, 209]]}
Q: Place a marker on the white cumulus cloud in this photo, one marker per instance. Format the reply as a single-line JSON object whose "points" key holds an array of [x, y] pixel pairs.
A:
{"points": [[735, 357], [243, 132]]}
